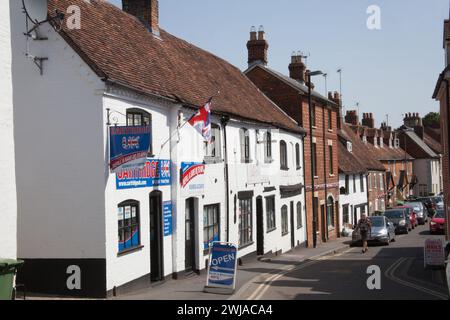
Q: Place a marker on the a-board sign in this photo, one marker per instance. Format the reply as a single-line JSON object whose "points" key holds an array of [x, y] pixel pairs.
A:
{"points": [[434, 255], [222, 268]]}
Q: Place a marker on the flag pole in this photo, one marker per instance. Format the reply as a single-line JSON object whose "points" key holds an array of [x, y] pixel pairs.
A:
{"points": [[187, 121]]}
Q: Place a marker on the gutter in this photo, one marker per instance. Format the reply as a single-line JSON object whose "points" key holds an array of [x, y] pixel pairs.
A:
{"points": [[224, 122]]}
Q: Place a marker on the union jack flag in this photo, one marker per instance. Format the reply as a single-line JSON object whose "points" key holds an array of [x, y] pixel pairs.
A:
{"points": [[201, 121]]}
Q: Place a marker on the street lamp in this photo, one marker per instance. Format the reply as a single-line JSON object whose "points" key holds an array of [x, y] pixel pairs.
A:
{"points": [[309, 75]]}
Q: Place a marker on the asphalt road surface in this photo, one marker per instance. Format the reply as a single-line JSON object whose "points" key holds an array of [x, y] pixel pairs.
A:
{"points": [[345, 275]]}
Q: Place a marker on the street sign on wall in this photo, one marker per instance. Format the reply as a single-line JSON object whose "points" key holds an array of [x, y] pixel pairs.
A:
{"points": [[222, 268], [168, 221]]}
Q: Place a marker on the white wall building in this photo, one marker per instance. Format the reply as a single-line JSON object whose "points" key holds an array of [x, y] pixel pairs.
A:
{"points": [[8, 203], [79, 221]]}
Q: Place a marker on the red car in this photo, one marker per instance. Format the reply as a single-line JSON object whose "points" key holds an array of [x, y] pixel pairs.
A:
{"points": [[437, 224], [412, 216]]}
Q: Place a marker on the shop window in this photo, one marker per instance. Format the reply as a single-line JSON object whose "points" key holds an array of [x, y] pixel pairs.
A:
{"points": [[268, 147], [137, 118], [283, 155], [299, 215], [245, 222], [270, 214], [213, 149], [128, 225], [244, 137], [211, 225], [284, 221]]}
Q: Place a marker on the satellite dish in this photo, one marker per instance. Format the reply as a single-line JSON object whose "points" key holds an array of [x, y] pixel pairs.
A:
{"points": [[36, 10]]}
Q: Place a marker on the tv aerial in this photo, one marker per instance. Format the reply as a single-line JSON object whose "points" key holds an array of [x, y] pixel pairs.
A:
{"points": [[36, 14]]}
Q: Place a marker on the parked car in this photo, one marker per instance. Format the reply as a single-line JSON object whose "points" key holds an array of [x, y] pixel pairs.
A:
{"points": [[430, 205], [420, 211], [412, 215], [383, 231], [437, 224], [400, 219]]}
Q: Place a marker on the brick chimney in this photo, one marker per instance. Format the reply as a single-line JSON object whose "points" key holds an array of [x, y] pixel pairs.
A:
{"points": [[147, 11], [351, 117], [297, 68], [413, 120], [257, 47], [368, 120], [385, 127]]}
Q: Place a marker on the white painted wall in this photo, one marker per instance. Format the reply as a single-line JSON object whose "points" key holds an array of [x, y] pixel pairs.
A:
{"points": [[428, 171], [126, 268], [8, 204], [353, 199], [59, 154]]}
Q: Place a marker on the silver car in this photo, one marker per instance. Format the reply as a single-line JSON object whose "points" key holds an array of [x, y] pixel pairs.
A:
{"points": [[382, 231], [420, 211]]}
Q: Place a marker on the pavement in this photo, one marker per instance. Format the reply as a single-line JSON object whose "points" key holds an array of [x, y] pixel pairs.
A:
{"points": [[191, 288]]}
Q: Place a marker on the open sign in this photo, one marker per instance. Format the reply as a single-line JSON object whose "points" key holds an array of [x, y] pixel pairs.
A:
{"points": [[222, 267]]}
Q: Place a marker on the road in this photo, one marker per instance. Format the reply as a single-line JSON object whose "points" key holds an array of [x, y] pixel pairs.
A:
{"points": [[344, 275]]}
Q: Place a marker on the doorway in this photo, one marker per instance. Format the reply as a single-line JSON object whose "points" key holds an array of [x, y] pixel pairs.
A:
{"points": [[189, 241], [156, 237], [259, 226], [323, 223]]}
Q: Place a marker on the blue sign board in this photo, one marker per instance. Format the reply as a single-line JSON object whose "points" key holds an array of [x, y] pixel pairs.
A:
{"points": [[222, 266], [154, 173], [128, 146], [167, 213]]}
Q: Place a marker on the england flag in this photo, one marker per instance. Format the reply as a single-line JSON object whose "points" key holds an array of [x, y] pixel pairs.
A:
{"points": [[201, 121]]}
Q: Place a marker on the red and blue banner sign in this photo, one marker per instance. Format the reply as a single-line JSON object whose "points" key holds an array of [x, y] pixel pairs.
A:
{"points": [[128, 146], [190, 173], [154, 173]]}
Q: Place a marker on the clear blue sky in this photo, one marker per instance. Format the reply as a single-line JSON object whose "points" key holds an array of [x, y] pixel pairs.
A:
{"points": [[388, 71]]}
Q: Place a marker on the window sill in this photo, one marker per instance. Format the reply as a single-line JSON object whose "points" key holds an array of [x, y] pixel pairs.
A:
{"points": [[299, 168], [330, 130], [268, 161], [129, 251], [332, 175], [300, 227], [246, 245], [316, 178], [213, 160], [271, 230], [285, 234], [284, 169]]}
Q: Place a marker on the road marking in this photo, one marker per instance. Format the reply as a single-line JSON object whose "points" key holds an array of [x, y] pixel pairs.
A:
{"points": [[390, 274], [263, 287]]}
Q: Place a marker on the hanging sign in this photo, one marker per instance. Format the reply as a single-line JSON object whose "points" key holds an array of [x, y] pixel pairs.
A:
{"points": [[192, 178], [154, 173], [222, 268], [129, 147]]}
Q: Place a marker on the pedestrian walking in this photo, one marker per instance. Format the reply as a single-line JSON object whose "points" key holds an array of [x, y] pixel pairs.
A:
{"points": [[364, 228]]}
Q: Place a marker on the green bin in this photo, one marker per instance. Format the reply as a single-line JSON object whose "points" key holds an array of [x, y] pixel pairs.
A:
{"points": [[8, 268]]}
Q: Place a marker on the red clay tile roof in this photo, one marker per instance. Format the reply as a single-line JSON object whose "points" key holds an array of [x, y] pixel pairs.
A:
{"points": [[120, 49], [364, 153], [348, 162]]}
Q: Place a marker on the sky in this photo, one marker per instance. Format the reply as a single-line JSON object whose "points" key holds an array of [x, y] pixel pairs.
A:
{"points": [[388, 71]]}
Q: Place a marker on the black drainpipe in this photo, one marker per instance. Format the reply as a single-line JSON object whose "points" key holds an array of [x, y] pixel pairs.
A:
{"points": [[224, 121], [447, 85]]}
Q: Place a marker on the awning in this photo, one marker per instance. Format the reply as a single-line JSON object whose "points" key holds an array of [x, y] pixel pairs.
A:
{"points": [[291, 191]]}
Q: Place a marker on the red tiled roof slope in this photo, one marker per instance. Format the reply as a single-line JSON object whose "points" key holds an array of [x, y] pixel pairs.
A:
{"points": [[118, 46]]}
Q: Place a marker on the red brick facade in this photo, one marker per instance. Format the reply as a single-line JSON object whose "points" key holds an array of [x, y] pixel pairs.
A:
{"points": [[295, 103]]}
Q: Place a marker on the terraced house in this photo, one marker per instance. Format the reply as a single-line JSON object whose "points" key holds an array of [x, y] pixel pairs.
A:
{"points": [[290, 93], [130, 229]]}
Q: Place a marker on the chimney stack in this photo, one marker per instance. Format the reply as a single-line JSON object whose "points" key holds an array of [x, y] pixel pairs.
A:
{"points": [[368, 120], [352, 117], [257, 47], [385, 127], [297, 68], [413, 120], [147, 11]]}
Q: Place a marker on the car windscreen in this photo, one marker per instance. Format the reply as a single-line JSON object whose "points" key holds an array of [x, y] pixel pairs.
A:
{"points": [[439, 214], [377, 221], [397, 214]]}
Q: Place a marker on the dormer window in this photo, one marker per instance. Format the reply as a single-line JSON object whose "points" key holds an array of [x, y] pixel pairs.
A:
{"points": [[364, 139], [349, 147], [381, 142], [397, 143]]}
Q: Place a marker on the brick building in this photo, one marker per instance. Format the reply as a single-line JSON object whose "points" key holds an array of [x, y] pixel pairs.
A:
{"points": [[384, 144], [290, 93], [376, 172], [442, 94]]}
